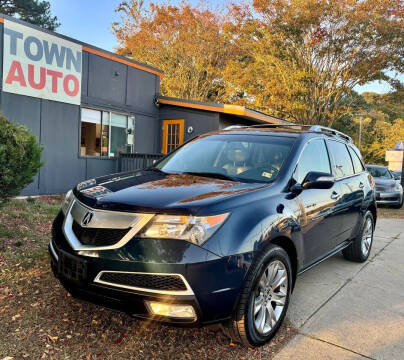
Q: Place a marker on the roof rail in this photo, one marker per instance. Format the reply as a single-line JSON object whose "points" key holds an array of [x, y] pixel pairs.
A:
{"points": [[323, 129], [264, 126], [313, 128]]}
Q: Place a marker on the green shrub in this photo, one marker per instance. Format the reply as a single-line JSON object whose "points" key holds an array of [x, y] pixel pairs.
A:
{"points": [[20, 158]]}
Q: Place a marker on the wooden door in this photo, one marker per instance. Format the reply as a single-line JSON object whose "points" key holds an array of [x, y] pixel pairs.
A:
{"points": [[173, 134]]}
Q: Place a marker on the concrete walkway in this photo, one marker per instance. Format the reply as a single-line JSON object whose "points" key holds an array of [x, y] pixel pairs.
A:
{"points": [[346, 310]]}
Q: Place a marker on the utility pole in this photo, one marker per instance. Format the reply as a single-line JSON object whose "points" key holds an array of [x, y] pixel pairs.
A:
{"points": [[360, 132]]}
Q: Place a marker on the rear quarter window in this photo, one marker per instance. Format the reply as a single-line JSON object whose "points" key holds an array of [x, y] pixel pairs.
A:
{"points": [[357, 163], [342, 165]]}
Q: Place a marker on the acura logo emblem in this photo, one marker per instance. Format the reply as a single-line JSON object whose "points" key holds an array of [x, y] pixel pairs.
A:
{"points": [[87, 218]]}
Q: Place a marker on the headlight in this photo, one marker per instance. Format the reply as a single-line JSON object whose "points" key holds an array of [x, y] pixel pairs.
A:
{"points": [[67, 201], [397, 187], [195, 229]]}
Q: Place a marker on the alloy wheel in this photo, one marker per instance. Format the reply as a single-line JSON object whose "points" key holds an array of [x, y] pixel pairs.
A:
{"points": [[367, 237], [270, 297]]}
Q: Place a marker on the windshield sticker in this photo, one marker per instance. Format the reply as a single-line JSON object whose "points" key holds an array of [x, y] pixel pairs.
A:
{"points": [[85, 184], [97, 191], [267, 174]]}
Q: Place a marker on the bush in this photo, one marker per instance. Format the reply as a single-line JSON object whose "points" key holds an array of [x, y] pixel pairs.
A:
{"points": [[20, 158]]}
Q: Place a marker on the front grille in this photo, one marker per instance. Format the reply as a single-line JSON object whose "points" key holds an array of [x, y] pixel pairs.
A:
{"points": [[146, 281], [97, 236]]}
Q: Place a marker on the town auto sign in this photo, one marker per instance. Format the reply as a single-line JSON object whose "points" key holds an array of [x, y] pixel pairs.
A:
{"points": [[41, 65]]}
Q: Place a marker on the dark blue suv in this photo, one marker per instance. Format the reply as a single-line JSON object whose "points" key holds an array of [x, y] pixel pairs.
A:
{"points": [[218, 230]]}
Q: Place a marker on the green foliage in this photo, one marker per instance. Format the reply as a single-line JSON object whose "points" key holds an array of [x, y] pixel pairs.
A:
{"points": [[382, 122], [33, 11], [20, 158]]}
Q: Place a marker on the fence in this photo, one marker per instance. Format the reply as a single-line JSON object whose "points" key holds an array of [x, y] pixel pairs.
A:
{"points": [[128, 162]]}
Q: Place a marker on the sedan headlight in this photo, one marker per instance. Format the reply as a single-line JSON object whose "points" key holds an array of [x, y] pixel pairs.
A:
{"points": [[67, 201], [397, 187], [195, 229]]}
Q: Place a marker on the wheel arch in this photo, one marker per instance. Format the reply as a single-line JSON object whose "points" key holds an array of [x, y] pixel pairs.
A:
{"points": [[372, 208], [287, 244]]}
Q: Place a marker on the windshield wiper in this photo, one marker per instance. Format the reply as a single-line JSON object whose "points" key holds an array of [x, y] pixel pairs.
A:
{"points": [[156, 170], [211, 174]]}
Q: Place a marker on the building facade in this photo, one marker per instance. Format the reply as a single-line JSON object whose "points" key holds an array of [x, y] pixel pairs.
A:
{"points": [[86, 105]]}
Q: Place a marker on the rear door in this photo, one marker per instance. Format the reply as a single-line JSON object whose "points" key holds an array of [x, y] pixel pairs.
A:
{"points": [[351, 194], [319, 225]]}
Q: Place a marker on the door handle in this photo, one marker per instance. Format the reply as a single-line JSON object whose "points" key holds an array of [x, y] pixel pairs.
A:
{"points": [[334, 195], [361, 185]]}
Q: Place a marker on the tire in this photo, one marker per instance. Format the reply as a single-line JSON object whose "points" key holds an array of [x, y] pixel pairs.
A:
{"points": [[399, 206], [360, 248], [242, 327]]}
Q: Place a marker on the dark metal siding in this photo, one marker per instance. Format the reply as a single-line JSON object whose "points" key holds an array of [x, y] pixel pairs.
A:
{"points": [[106, 80], [59, 134]]}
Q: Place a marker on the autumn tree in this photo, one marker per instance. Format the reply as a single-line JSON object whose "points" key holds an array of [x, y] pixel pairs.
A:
{"points": [[301, 59], [33, 11], [186, 42]]}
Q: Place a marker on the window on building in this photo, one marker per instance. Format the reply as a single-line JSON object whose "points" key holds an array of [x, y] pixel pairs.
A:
{"points": [[342, 161], [314, 158], [105, 133]]}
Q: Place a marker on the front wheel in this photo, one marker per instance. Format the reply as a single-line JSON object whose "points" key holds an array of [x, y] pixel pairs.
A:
{"points": [[360, 248], [264, 299]]}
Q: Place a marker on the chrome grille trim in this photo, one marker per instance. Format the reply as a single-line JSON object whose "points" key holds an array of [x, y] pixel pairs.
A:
{"points": [[154, 291], [135, 221], [53, 250]]}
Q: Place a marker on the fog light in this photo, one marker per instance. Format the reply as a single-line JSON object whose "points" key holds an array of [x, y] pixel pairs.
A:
{"points": [[171, 310]]}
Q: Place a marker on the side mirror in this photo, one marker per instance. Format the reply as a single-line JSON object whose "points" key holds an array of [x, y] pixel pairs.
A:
{"points": [[318, 180]]}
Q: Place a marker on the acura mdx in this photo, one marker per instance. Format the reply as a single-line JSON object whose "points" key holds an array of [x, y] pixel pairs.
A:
{"points": [[218, 230]]}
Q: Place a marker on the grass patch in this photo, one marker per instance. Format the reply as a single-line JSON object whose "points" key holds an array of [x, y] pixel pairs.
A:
{"points": [[384, 211]]}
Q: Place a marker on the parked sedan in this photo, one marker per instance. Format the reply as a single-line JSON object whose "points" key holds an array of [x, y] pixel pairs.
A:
{"points": [[397, 175], [388, 190]]}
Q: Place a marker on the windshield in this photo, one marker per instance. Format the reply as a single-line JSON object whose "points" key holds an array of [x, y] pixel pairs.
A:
{"points": [[379, 172], [246, 158]]}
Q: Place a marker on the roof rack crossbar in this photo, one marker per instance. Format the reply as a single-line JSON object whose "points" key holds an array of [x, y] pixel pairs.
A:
{"points": [[318, 128]]}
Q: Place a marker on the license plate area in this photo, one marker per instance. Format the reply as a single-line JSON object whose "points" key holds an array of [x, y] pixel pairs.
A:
{"points": [[72, 267]]}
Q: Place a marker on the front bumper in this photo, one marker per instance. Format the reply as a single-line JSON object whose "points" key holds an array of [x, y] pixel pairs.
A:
{"points": [[214, 282], [389, 198]]}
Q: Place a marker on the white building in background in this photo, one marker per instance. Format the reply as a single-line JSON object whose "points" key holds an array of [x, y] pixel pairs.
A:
{"points": [[395, 157]]}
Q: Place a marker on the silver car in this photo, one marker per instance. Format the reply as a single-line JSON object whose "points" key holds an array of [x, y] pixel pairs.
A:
{"points": [[388, 190]]}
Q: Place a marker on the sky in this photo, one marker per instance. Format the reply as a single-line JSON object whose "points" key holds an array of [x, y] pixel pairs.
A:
{"points": [[90, 21]]}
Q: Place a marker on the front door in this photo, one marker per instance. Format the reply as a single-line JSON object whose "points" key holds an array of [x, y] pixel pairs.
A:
{"points": [[173, 134], [318, 220]]}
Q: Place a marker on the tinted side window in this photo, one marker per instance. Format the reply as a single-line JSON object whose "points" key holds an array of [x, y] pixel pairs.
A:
{"points": [[314, 158], [358, 166], [342, 161]]}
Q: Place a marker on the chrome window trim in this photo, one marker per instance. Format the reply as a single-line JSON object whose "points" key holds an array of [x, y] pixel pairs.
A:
{"points": [[154, 291], [138, 221]]}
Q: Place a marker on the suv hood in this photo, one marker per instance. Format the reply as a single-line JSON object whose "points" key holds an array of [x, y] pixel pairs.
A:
{"points": [[388, 183], [148, 191]]}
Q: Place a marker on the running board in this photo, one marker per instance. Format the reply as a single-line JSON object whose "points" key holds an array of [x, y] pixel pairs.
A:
{"points": [[339, 248]]}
